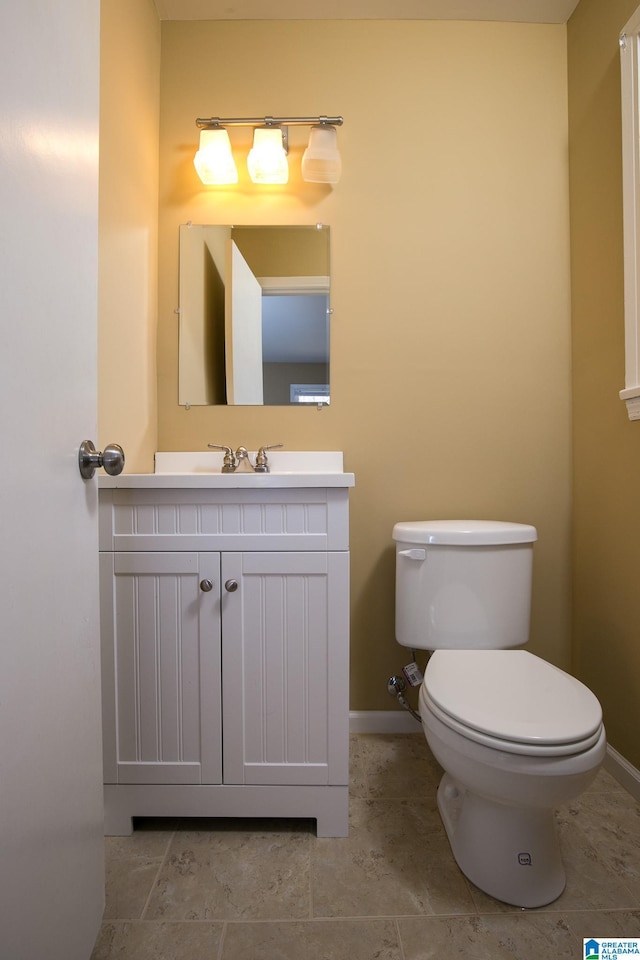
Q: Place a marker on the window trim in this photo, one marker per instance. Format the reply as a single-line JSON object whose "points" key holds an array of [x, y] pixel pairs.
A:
{"points": [[630, 90]]}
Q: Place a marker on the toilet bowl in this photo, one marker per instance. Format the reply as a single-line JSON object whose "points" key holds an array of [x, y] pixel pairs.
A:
{"points": [[515, 735], [503, 778]]}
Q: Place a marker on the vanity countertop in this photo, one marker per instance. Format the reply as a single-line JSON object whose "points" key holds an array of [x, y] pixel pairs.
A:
{"points": [[202, 470]]}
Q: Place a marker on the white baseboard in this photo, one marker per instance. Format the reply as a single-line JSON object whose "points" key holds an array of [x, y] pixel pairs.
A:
{"points": [[623, 771], [382, 721]]}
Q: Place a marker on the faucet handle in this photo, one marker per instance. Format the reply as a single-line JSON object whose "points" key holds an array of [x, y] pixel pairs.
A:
{"points": [[229, 461], [262, 464]]}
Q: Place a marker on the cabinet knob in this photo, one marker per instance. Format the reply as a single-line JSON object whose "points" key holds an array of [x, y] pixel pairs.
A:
{"points": [[231, 586], [206, 585]]}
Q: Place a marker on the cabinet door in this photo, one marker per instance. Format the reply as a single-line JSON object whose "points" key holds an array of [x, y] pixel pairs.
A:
{"points": [[161, 667], [285, 649]]}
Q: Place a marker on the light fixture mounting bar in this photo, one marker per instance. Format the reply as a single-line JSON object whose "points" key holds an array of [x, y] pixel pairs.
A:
{"points": [[213, 122]]}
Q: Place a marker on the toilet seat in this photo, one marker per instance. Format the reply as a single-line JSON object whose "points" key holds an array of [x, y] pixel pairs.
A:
{"points": [[511, 700]]}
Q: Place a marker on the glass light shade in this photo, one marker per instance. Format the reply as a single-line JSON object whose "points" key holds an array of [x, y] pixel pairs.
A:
{"points": [[267, 160], [321, 161], [214, 161]]}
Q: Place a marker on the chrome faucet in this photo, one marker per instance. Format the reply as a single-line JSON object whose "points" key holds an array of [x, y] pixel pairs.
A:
{"points": [[240, 460], [243, 462]]}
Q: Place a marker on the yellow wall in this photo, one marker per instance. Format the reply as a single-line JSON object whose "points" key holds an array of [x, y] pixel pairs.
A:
{"points": [[129, 110], [450, 361], [606, 550]]}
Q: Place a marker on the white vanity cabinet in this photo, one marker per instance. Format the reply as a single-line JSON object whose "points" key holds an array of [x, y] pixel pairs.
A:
{"points": [[225, 645]]}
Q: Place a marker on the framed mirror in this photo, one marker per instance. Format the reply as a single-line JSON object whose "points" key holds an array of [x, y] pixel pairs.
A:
{"points": [[254, 315]]}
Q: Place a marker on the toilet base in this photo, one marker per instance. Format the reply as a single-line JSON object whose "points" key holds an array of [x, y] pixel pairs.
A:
{"points": [[511, 853]]}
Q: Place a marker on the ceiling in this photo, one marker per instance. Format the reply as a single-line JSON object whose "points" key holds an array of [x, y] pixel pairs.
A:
{"points": [[522, 11]]}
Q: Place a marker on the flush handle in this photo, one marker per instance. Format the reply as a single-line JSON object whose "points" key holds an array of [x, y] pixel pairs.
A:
{"points": [[415, 554]]}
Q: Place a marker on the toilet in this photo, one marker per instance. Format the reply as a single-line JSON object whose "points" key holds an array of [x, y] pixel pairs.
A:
{"points": [[515, 735]]}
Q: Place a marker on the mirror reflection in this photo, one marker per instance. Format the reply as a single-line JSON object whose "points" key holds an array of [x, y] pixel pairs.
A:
{"points": [[254, 315]]}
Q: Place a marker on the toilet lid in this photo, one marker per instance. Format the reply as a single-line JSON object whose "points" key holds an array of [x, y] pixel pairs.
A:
{"points": [[512, 695]]}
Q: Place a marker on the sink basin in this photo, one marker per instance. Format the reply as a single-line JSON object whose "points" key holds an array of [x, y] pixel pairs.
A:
{"points": [[287, 468]]}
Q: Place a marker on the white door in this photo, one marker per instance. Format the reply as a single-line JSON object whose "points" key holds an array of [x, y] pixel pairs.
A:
{"points": [[243, 330], [51, 846]]}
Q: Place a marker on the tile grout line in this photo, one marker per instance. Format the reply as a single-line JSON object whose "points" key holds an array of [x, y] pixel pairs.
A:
{"points": [[396, 924], [143, 915], [223, 937], [366, 918]]}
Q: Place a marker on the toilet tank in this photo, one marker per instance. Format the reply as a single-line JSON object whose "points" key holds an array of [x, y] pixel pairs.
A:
{"points": [[463, 584]]}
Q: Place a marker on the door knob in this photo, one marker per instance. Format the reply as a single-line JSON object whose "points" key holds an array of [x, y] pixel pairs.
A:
{"points": [[206, 586], [231, 586], [112, 459]]}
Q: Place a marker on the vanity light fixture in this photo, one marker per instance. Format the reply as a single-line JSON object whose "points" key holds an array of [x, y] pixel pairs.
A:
{"points": [[321, 161], [214, 161], [267, 160]]}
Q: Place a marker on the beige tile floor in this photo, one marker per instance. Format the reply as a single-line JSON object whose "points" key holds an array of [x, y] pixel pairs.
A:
{"points": [[271, 890]]}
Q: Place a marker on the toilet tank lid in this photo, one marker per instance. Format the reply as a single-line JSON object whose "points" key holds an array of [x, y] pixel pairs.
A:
{"points": [[476, 532]]}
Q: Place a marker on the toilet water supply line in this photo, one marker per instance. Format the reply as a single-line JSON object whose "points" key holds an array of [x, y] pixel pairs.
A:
{"points": [[397, 685]]}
